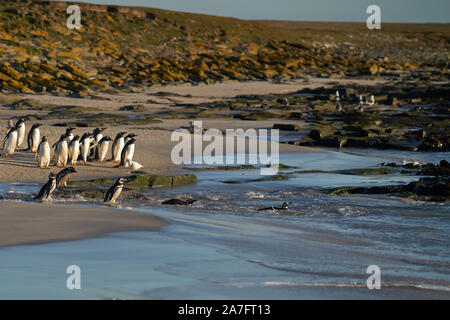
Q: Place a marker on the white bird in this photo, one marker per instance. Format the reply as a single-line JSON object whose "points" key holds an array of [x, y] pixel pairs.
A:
{"points": [[135, 166], [61, 152]]}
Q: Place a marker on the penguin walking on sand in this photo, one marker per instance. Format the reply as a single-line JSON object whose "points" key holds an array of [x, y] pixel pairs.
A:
{"points": [[47, 189], [43, 155], [284, 207], [103, 146], [74, 150], [10, 142], [20, 124], [69, 135], [114, 192], [61, 152], [34, 138], [127, 153], [117, 146], [85, 145], [63, 177]]}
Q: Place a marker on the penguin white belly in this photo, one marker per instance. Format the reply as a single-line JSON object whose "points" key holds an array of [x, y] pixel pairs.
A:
{"points": [[61, 154], [102, 151], [129, 154], [11, 143], [69, 139], [85, 149], [118, 149], [21, 135], [75, 152], [115, 195], [43, 155], [36, 137]]}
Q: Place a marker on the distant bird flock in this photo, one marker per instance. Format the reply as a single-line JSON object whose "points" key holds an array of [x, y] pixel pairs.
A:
{"points": [[341, 107]]}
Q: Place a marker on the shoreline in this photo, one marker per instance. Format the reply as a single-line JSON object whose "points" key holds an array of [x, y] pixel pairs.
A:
{"points": [[33, 224]]}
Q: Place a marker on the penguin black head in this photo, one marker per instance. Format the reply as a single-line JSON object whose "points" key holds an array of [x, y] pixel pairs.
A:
{"points": [[121, 134], [105, 139], [36, 125], [69, 130], [20, 121], [131, 135], [71, 170], [131, 141], [190, 201], [77, 137], [286, 205], [51, 176], [44, 139], [122, 180]]}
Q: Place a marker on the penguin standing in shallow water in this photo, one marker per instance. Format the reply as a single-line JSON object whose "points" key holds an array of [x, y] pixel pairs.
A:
{"points": [[47, 189], [284, 207], [127, 153], [118, 144], [74, 150], [43, 155], [10, 142], [63, 177], [34, 137], [103, 146], [61, 152], [114, 192], [20, 124]]}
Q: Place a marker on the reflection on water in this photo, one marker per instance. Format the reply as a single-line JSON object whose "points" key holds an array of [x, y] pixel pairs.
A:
{"points": [[224, 247]]}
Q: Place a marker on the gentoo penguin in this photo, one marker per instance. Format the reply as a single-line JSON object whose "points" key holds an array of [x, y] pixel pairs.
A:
{"points": [[43, 154], [47, 189], [10, 142], [61, 152], [97, 135], [74, 150], [69, 135], [63, 177], [85, 144], [103, 146], [20, 124], [127, 153], [284, 207], [129, 137], [34, 137], [338, 102], [114, 192], [118, 144], [178, 202]]}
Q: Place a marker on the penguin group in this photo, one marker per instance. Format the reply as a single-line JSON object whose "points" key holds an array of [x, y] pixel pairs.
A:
{"points": [[71, 149]]}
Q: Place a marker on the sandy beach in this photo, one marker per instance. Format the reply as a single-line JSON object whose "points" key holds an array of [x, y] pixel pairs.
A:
{"points": [[27, 223]]}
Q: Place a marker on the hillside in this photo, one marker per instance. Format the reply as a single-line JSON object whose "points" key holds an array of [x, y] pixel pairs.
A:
{"points": [[120, 48]]}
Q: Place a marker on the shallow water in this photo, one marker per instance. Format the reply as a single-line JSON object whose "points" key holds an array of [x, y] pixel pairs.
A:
{"points": [[224, 247]]}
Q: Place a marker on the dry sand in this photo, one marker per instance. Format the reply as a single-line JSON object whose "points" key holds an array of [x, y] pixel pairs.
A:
{"points": [[31, 223]]}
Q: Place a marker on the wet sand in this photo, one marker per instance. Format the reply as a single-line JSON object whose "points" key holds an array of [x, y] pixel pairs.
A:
{"points": [[31, 223]]}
